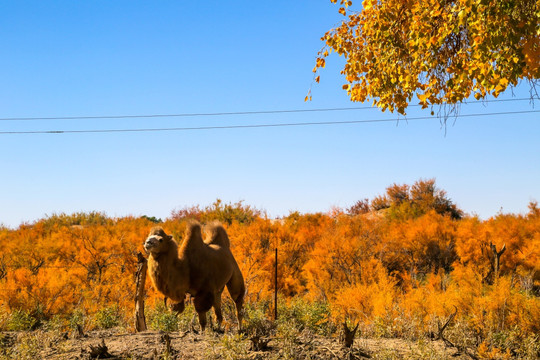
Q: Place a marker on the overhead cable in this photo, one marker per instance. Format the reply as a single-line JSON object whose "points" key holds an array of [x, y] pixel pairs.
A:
{"points": [[252, 126], [147, 116]]}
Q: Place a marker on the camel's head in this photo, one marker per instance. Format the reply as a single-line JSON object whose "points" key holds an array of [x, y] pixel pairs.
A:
{"points": [[157, 241]]}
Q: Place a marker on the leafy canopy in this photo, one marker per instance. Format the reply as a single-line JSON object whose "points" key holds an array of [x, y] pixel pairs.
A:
{"points": [[442, 51], [404, 201]]}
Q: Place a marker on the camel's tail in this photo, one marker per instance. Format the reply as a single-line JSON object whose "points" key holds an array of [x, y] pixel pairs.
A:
{"points": [[216, 234]]}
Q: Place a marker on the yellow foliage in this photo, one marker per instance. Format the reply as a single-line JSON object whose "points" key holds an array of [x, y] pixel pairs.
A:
{"points": [[373, 297], [397, 258], [444, 52], [493, 353]]}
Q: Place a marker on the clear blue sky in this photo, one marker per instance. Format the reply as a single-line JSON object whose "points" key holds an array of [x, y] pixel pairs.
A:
{"points": [[75, 58]]}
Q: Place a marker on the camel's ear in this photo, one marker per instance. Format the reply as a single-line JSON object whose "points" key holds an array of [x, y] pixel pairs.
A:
{"points": [[170, 237]]}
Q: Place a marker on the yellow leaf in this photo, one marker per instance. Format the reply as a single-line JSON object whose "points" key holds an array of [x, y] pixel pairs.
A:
{"points": [[367, 5], [423, 97], [346, 87]]}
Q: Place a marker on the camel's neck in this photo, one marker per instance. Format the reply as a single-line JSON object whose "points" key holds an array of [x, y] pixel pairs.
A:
{"points": [[163, 257], [170, 274], [167, 259]]}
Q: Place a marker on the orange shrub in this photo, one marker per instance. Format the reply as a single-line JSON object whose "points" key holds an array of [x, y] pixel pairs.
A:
{"points": [[408, 264]]}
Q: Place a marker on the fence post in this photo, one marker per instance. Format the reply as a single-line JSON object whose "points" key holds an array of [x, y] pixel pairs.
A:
{"points": [[275, 287], [140, 320]]}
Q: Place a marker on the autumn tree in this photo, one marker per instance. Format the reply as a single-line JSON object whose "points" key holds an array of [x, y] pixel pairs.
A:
{"points": [[226, 213], [359, 207], [338, 254], [398, 271], [404, 201], [441, 51]]}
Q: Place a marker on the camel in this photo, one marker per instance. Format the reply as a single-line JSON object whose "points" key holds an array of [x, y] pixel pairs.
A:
{"points": [[196, 267]]}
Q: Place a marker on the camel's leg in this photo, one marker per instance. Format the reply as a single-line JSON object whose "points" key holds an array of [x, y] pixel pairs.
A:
{"points": [[178, 308], [203, 302], [202, 320], [239, 304], [237, 291], [217, 309]]}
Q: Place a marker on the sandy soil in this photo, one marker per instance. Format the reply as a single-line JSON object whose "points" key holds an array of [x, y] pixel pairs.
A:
{"points": [[179, 345]]}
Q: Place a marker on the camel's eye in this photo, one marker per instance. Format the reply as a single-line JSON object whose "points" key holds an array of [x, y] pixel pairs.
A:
{"points": [[160, 240]]}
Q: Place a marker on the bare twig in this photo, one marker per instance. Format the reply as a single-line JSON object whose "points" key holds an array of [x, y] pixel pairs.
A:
{"points": [[347, 335], [258, 343], [440, 335], [100, 351], [448, 343]]}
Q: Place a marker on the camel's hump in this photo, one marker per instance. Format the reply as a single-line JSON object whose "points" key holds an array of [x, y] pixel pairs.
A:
{"points": [[216, 234], [193, 229]]}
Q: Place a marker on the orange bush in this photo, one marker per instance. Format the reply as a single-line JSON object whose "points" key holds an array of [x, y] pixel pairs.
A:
{"points": [[373, 266]]}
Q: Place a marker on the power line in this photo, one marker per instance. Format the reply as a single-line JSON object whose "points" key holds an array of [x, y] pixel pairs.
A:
{"points": [[213, 114], [253, 126]]}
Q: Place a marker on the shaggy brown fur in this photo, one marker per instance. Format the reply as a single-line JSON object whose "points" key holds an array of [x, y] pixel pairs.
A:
{"points": [[199, 268]]}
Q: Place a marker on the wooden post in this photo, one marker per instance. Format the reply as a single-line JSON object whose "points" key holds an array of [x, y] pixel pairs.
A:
{"points": [[140, 320], [275, 289]]}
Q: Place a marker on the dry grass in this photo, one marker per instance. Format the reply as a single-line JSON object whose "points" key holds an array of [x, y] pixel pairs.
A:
{"points": [[304, 331]]}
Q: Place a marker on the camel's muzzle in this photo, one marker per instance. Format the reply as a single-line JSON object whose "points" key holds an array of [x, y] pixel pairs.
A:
{"points": [[152, 242]]}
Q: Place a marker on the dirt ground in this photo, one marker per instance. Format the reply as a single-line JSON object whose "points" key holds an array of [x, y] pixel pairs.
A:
{"points": [[182, 345]]}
